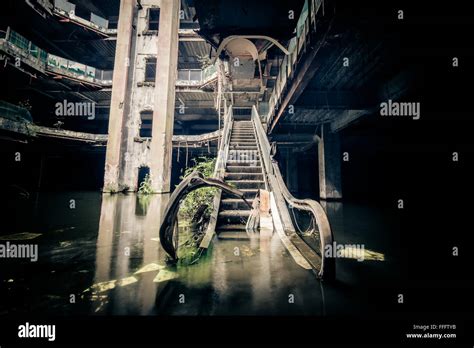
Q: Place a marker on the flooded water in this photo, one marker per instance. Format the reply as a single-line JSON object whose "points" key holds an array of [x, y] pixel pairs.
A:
{"points": [[101, 255]]}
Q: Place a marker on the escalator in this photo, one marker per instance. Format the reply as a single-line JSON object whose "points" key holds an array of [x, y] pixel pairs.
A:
{"points": [[243, 171], [245, 162]]}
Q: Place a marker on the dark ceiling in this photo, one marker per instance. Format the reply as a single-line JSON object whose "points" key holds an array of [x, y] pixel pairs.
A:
{"points": [[221, 18]]}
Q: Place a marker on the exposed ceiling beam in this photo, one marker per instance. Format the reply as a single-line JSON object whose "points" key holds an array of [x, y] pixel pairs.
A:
{"points": [[305, 71], [347, 117], [336, 99]]}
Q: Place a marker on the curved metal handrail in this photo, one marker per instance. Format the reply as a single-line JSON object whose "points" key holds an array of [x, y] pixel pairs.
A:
{"points": [[322, 222], [327, 264], [169, 224]]}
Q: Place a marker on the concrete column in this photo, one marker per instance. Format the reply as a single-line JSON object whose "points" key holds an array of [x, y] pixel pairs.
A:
{"points": [[164, 100], [118, 104], [329, 159], [335, 212], [291, 171]]}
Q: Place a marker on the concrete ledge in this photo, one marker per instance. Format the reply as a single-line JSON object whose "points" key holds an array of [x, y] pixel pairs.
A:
{"points": [[32, 130]]}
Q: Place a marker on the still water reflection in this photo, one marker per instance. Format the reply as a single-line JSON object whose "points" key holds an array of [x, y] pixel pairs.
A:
{"points": [[104, 257]]}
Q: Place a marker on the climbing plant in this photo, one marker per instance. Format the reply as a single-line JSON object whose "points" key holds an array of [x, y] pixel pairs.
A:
{"points": [[145, 186], [199, 202]]}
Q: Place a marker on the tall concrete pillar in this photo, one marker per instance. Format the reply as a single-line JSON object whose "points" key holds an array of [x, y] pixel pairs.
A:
{"points": [[164, 101], [119, 101], [134, 94], [329, 160]]}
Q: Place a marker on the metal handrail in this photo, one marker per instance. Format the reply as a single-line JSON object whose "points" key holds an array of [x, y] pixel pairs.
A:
{"points": [[50, 63], [265, 147], [322, 222], [224, 145], [325, 266], [219, 173], [207, 75]]}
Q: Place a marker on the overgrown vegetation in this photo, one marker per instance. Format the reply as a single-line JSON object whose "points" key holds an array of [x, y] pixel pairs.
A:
{"points": [[198, 204], [204, 60], [145, 186], [194, 212]]}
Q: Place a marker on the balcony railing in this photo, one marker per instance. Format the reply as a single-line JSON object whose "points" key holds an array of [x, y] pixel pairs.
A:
{"points": [[19, 46], [296, 48], [196, 77]]}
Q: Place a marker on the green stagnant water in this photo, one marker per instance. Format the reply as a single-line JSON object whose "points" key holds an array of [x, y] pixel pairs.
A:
{"points": [[101, 255]]}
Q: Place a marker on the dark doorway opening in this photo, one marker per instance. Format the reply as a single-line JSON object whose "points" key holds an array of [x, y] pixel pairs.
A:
{"points": [[143, 172]]}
